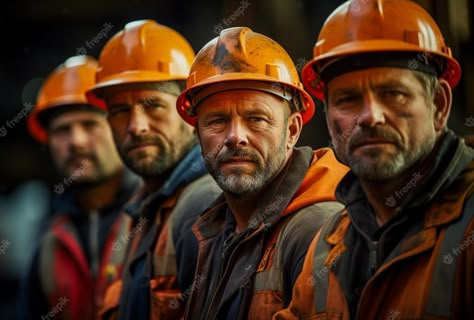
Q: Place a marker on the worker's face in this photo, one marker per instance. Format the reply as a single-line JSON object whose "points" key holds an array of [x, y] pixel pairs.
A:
{"points": [[150, 135], [246, 138], [82, 146], [381, 121]]}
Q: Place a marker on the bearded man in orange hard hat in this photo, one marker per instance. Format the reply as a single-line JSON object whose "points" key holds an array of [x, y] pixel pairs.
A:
{"points": [[141, 73], [403, 247]]}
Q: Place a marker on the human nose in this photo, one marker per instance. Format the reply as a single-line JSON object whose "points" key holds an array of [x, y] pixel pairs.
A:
{"points": [[138, 121], [372, 112], [236, 134]]}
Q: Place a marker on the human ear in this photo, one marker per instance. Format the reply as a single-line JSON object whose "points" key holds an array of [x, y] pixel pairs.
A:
{"points": [[442, 101]]}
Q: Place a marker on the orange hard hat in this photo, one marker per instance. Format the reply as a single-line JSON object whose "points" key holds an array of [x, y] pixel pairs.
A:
{"points": [[242, 59], [65, 86], [144, 51], [362, 27]]}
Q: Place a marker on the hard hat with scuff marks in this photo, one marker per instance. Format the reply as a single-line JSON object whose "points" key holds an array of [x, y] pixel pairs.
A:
{"points": [[242, 59]]}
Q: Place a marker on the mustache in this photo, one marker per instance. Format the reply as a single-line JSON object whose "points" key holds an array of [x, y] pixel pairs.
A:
{"points": [[137, 141], [237, 153], [79, 154], [374, 133]]}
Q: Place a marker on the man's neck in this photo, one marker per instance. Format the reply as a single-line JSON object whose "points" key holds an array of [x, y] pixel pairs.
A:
{"points": [[99, 195]]}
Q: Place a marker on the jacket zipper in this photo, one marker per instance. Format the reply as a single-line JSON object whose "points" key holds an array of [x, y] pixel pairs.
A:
{"points": [[219, 285]]}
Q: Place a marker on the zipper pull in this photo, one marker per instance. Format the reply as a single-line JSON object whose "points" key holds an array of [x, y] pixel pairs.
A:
{"points": [[373, 256]]}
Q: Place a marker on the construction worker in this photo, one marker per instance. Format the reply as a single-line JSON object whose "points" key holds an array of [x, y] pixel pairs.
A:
{"points": [[248, 106], [69, 274], [142, 70], [404, 246]]}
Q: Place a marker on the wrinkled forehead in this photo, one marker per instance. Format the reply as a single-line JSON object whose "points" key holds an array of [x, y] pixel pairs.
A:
{"points": [[168, 87], [247, 99], [76, 115]]}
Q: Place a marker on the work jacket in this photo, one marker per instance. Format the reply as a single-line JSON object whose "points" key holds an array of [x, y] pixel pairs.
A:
{"points": [[150, 286], [71, 268], [419, 265], [250, 274]]}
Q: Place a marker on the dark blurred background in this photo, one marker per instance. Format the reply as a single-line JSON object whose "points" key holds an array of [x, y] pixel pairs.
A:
{"points": [[39, 35]]}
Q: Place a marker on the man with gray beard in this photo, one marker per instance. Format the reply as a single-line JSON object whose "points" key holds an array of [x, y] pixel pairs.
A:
{"points": [[402, 249], [246, 101]]}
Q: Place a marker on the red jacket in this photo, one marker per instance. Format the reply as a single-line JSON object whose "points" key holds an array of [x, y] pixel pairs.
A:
{"points": [[76, 260], [71, 287]]}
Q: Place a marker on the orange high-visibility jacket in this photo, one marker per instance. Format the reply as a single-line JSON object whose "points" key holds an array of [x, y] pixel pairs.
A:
{"points": [[257, 276], [428, 275]]}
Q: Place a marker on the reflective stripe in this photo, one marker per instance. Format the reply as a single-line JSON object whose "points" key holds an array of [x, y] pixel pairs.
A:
{"points": [[320, 274], [118, 252], [440, 298], [48, 251], [268, 280], [271, 278], [164, 265], [46, 257]]}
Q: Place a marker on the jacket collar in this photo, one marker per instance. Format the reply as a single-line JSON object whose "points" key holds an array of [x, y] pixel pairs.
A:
{"points": [[452, 158], [273, 201], [188, 169]]}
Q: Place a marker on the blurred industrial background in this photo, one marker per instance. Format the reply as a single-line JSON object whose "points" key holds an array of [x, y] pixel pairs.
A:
{"points": [[39, 35]]}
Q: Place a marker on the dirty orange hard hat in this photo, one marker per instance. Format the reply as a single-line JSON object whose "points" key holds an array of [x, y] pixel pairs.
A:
{"points": [[144, 51], [363, 27], [65, 86], [242, 59]]}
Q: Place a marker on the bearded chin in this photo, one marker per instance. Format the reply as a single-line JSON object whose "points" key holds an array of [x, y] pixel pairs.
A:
{"points": [[372, 168]]}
